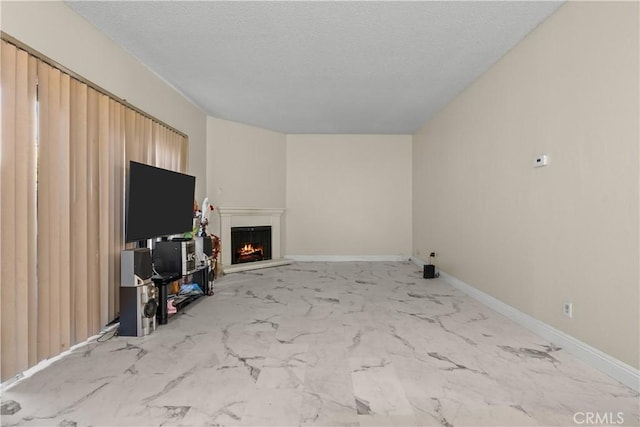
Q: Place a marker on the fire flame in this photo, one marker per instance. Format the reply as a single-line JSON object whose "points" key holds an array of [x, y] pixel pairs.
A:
{"points": [[247, 249]]}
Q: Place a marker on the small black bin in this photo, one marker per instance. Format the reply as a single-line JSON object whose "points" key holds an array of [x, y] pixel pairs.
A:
{"points": [[429, 271]]}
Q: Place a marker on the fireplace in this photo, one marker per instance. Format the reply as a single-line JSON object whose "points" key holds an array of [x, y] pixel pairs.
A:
{"points": [[231, 218], [250, 244]]}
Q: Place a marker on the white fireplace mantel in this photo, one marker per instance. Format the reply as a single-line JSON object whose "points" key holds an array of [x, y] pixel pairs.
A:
{"points": [[250, 217]]}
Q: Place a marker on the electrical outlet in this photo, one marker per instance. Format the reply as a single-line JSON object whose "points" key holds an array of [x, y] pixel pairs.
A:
{"points": [[567, 309], [432, 254]]}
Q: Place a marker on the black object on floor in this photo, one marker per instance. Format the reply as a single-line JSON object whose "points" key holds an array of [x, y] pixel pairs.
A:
{"points": [[429, 271]]}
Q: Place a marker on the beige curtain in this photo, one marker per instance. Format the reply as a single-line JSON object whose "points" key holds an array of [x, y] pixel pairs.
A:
{"points": [[18, 342], [170, 148], [112, 202], [53, 252], [152, 143], [96, 142], [69, 155]]}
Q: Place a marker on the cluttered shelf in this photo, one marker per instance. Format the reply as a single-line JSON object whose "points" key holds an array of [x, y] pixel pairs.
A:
{"points": [[188, 289], [176, 291]]}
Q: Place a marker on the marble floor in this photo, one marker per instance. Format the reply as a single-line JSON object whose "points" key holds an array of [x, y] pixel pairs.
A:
{"points": [[332, 344]]}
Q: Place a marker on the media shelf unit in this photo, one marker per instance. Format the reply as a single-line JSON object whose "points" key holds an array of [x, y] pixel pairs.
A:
{"points": [[200, 276]]}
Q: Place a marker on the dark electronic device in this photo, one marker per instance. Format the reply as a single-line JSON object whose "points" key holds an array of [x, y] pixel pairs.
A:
{"points": [[159, 202], [138, 294], [204, 245], [175, 256], [135, 268], [138, 306], [429, 271]]}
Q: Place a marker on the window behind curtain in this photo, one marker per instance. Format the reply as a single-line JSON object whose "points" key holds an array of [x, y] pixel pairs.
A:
{"points": [[65, 147]]}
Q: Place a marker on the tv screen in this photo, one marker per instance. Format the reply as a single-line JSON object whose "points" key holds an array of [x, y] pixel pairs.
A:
{"points": [[159, 202]]}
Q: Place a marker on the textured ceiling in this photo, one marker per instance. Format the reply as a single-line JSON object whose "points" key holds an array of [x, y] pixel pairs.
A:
{"points": [[318, 67]]}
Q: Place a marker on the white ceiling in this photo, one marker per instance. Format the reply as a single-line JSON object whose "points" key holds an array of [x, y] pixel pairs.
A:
{"points": [[318, 67]]}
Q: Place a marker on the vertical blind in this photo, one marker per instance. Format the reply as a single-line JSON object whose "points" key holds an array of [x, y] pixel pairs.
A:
{"points": [[18, 76], [65, 148]]}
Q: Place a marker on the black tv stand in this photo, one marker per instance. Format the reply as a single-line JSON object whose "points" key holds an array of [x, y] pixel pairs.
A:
{"points": [[161, 282], [201, 277]]}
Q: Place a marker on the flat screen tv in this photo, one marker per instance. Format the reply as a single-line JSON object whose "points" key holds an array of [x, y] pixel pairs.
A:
{"points": [[159, 202]]}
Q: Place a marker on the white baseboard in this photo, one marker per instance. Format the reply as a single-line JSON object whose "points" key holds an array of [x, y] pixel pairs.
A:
{"points": [[346, 258], [417, 261], [611, 366], [47, 362]]}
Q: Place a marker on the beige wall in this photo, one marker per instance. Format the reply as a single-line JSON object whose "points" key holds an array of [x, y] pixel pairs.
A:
{"points": [[530, 237], [348, 195], [54, 30], [246, 166], [354, 187], [536, 237]]}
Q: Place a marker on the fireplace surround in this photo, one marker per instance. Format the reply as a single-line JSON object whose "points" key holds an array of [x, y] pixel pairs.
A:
{"points": [[250, 218]]}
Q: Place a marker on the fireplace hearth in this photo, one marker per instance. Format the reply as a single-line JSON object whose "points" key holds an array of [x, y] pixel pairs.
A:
{"points": [[250, 244]]}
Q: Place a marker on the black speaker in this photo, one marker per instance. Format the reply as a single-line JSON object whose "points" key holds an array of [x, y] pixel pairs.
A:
{"points": [[138, 306], [204, 249], [429, 271], [135, 267], [207, 246], [175, 256]]}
